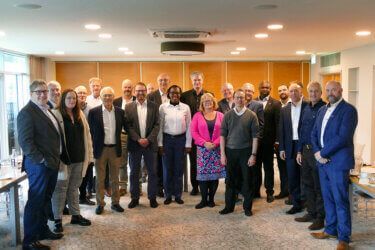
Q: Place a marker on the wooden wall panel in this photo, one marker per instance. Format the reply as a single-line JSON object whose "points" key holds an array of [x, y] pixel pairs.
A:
{"points": [[305, 76], [283, 73], [239, 73], [151, 70], [72, 74], [214, 75], [113, 73]]}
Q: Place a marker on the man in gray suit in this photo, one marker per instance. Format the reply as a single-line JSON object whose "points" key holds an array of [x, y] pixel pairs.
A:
{"points": [[40, 140], [142, 125]]}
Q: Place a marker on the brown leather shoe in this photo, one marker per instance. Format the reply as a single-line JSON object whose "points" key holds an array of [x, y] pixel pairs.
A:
{"points": [[122, 191], [322, 235], [342, 245]]}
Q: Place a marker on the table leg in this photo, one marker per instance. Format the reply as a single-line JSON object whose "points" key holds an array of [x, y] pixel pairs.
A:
{"points": [[15, 215]]}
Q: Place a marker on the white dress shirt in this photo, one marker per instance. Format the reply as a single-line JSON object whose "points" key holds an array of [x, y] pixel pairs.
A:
{"points": [[264, 101], [296, 113], [164, 97], [93, 102], [174, 120], [142, 117], [109, 122], [124, 102], [326, 117]]}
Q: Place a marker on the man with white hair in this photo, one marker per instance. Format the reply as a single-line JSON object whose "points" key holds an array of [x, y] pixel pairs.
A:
{"points": [[54, 94], [227, 103]]}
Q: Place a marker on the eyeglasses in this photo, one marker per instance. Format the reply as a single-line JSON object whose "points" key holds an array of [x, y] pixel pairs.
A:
{"points": [[40, 92]]}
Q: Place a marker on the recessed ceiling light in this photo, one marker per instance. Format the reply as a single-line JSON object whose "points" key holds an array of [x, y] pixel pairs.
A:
{"points": [[235, 52], [275, 26], [92, 26], [261, 35], [266, 7], [128, 52], [123, 49], [59, 52], [363, 33], [2, 33], [241, 48], [105, 36], [28, 6], [300, 52]]}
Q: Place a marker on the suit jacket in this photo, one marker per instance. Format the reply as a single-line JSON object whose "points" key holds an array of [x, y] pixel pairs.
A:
{"points": [[38, 137], [96, 124], [271, 120], [286, 129], [118, 101], [338, 135], [223, 106], [257, 108], [155, 97], [133, 129]]}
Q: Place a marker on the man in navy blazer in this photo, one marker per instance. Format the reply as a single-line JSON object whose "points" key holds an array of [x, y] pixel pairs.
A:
{"points": [[289, 124], [332, 140], [106, 123]]}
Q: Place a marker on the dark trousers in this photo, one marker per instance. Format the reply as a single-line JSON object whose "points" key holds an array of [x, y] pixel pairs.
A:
{"points": [[42, 182], [239, 177], [311, 184], [294, 177], [265, 158], [84, 185], [193, 166], [335, 191], [135, 158], [208, 190], [173, 164], [281, 165], [159, 171]]}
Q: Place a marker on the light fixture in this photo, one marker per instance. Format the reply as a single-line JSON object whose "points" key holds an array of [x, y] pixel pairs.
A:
{"points": [[92, 26], [60, 52], [241, 48], [234, 52], [28, 6], [266, 7], [105, 36], [123, 49], [275, 26], [182, 48], [363, 33], [128, 52], [2, 33], [261, 35], [300, 52]]}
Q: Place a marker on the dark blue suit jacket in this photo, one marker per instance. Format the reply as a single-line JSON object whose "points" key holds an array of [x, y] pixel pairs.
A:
{"points": [[338, 135], [96, 124]]}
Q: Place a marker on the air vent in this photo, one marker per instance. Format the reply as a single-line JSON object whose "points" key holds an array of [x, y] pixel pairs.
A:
{"points": [[330, 60], [179, 34]]}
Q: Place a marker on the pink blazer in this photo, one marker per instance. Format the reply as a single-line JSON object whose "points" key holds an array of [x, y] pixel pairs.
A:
{"points": [[199, 129]]}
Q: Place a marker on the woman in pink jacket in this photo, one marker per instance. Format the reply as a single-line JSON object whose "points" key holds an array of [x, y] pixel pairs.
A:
{"points": [[205, 130]]}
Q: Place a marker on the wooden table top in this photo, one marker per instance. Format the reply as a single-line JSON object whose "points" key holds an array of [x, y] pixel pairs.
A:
{"points": [[368, 189], [10, 176]]}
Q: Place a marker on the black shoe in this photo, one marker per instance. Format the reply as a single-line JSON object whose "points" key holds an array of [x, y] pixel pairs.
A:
{"points": [[201, 204], [179, 201], [248, 212], [117, 208], [161, 193], [86, 201], [194, 192], [225, 211], [133, 203], [153, 203], [89, 195], [294, 210], [99, 209], [48, 235], [211, 204], [58, 226], [281, 196], [167, 201], [288, 202], [270, 198], [306, 218], [80, 220], [317, 224], [35, 245], [66, 210]]}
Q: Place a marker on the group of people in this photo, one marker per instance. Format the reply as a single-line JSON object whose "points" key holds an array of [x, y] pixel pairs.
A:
{"points": [[65, 135]]}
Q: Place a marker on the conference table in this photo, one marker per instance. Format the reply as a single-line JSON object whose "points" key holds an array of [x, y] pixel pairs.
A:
{"points": [[10, 178]]}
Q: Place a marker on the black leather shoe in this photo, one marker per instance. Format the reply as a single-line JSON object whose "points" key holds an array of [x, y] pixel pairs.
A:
{"points": [[66, 210], [317, 225], [270, 198], [58, 226], [80, 220], [201, 204], [153, 203], [167, 201], [248, 212], [48, 235], [35, 245], [294, 210], [179, 201], [306, 218], [225, 211], [194, 192], [133, 203], [86, 201], [288, 202], [99, 209], [161, 193], [117, 208], [211, 204], [281, 196]]}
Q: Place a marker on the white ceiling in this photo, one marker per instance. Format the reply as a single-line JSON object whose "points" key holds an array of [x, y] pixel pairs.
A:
{"points": [[312, 25]]}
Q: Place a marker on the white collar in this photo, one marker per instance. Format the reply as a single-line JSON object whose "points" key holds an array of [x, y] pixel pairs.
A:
{"points": [[335, 104], [161, 93], [299, 103], [103, 108], [241, 111], [144, 103]]}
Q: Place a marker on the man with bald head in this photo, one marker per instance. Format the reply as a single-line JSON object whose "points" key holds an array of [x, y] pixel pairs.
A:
{"points": [[54, 94], [332, 141], [289, 124], [227, 103]]}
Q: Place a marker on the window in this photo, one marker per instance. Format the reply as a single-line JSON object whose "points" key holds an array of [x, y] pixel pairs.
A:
{"points": [[14, 89]]}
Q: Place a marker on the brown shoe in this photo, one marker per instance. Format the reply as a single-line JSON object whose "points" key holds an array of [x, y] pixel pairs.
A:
{"points": [[122, 191], [322, 235], [317, 225], [342, 245]]}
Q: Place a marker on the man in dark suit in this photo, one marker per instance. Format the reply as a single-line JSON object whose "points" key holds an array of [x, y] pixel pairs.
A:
{"points": [[332, 140], [290, 118], [227, 103], [271, 109], [40, 140], [142, 123], [159, 97], [257, 108], [106, 123]]}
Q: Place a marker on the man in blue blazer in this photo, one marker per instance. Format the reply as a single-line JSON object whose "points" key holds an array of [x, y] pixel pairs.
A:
{"points": [[332, 140]]}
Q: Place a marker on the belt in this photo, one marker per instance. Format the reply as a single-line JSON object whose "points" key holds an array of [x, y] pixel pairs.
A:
{"points": [[174, 136], [109, 145], [308, 146]]}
